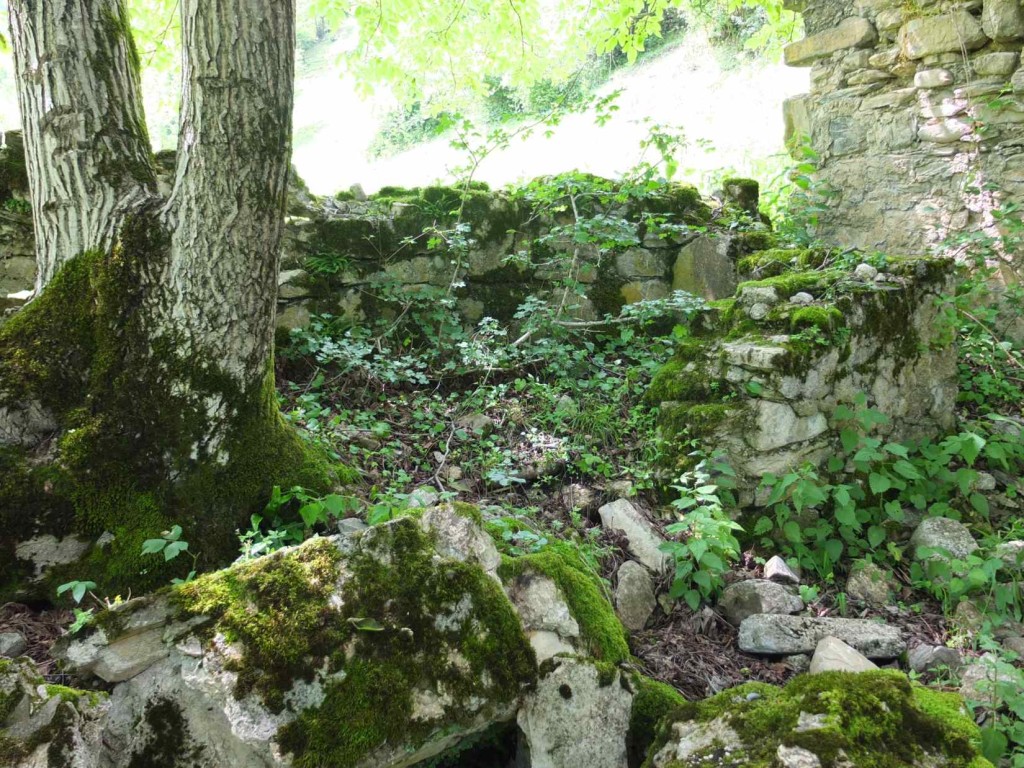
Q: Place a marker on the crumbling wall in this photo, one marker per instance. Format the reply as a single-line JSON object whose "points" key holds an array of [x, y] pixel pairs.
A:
{"points": [[915, 116]]}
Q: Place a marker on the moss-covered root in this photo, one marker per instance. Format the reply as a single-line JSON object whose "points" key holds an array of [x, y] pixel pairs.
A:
{"points": [[870, 720], [414, 648], [129, 417]]}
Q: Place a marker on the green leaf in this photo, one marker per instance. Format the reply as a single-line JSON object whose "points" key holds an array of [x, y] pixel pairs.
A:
{"points": [[312, 513], [791, 530], [876, 535], [366, 624], [174, 534], [879, 483], [850, 440], [335, 504], [174, 548], [763, 525], [980, 504], [993, 744], [713, 561], [907, 469], [698, 547], [692, 598], [153, 546]]}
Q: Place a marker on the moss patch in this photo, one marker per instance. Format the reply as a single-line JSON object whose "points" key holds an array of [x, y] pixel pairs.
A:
{"points": [[651, 704], [876, 719], [600, 628]]}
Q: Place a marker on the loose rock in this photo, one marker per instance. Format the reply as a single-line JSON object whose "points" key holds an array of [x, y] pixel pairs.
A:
{"points": [[644, 543], [747, 598], [634, 595], [833, 655], [779, 635]]}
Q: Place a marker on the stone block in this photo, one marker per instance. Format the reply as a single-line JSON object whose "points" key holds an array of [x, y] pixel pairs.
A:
{"points": [[704, 268], [946, 33], [796, 118], [1003, 20], [853, 32], [640, 262], [833, 655], [779, 635], [779, 426], [998, 64]]}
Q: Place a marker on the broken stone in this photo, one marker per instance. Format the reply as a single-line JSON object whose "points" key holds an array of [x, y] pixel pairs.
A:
{"points": [[753, 596], [853, 32], [928, 658], [942, 535], [797, 757], [801, 298], [778, 570], [833, 655], [945, 33], [1002, 20], [634, 595], [643, 541], [12, 644], [780, 635], [933, 78], [998, 64], [869, 583], [865, 272]]}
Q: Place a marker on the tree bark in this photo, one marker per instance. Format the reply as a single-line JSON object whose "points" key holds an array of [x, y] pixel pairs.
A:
{"points": [[87, 150], [144, 366]]}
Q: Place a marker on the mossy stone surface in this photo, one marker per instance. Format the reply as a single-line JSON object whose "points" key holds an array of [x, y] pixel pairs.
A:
{"points": [[877, 719]]}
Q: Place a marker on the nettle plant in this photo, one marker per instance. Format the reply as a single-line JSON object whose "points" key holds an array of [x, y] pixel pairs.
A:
{"points": [[848, 509], [704, 543]]}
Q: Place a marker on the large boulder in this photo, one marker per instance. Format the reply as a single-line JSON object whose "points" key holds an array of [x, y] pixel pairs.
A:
{"points": [[380, 648], [833, 718]]}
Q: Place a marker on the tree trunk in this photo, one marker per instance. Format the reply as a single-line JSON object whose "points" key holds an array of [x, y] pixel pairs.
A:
{"points": [[143, 369]]}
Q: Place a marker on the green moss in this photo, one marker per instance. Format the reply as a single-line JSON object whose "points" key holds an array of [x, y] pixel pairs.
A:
{"points": [[674, 382], [600, 628], [789, 283], [651, 704], [874, 719], [74, 695], [692, 419], [825, 318], [776, 261], [755, 240], [168, 742], [469, 511]]}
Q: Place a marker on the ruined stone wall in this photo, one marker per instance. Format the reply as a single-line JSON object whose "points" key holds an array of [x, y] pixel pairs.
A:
{"points": [[915, 115]]}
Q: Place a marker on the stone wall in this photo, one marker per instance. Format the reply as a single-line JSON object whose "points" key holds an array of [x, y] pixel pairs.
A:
{"points": [[915, 115], [762, 379]]}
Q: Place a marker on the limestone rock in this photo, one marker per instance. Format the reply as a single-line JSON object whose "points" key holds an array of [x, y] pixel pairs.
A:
{"points": [[797, 757], [640, 262], [643, 542], [691, 738], [942, 535], [853, 32], [1012, 555], [753, 596], [477, 423], [780, 635], [1002, 20], [950, 32], [634, 595], [579, 497], [778, 425], [865, 272], [929, 658], [833, 655], [868, 583], [1017, 81], [577, 718], [704, 269], [12, 644], [933, 78], [458, 535], [393, 622], [944, 132], [979, 680], [778, 570], [999, 64]]}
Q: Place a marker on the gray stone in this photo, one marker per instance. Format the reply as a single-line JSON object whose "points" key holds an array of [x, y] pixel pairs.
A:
{"points": [[853, 32], [944, 132], [1017, 81], [933, 78], [777, 425], [1012, 555], [759, 294], [890, 99], [798, 663], [350, 526], [985, 482], [866, 76], [884, 59], [423, 497], [640, 262], [833, 655], [758, 311], [944, 536], [477, 423], [1003, 20], [778, 635], [46, 551], [642, 540], [293, 316], [1014, 645], [704, 269], [545, 615], [929, 658], [12, 644], [944, 33], [869, 583], [998, 64], [801, 298], [634, 595], [575, 719], [752, 356], [753, 596], [358, 193], [979, 681], [461, 537], [865, 272], [796, 757], [579, 497], [690, 740], [778, 570], [291, 284]]}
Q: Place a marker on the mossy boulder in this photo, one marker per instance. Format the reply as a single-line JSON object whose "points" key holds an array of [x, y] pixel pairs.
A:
{"points": [[874, 719], [379, 648]]}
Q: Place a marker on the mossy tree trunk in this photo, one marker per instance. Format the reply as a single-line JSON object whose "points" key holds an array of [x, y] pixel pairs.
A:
{"points": [[136, 389]]}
